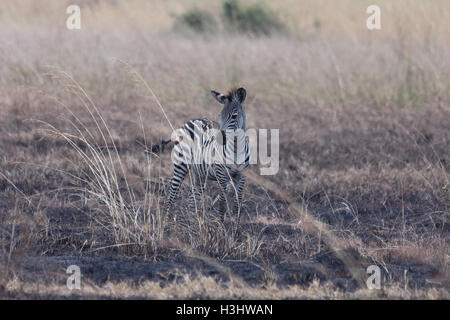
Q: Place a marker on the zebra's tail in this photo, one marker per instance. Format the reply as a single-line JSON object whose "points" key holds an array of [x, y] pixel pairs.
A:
{"points": [[159, 148]]}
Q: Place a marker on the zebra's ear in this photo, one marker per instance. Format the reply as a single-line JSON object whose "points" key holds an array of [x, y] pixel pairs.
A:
{"points": [[219, 97], [241, 93]]}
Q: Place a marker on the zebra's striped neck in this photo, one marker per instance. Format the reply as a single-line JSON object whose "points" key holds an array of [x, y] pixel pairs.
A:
{"points": [[235, 147], [234, 122]]}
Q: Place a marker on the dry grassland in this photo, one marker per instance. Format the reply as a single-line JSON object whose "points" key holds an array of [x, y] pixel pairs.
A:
{"points": [[364, 119]]}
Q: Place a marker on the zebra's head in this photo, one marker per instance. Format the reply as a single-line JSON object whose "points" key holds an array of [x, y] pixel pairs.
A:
{"points": [[232, 116]]}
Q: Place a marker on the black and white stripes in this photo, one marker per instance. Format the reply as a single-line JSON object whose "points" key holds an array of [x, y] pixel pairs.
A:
{"points": [[212, 151]]}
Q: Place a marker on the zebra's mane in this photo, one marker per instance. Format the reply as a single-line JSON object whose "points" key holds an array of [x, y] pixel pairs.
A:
{"points": [[233, 94]]}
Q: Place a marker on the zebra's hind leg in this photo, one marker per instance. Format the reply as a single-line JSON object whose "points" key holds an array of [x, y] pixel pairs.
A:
{"points": [[195, 198], [179, 172]]}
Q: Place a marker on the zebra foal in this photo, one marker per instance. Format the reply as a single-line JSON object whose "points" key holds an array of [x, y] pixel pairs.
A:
{"points": [[207, 150]]}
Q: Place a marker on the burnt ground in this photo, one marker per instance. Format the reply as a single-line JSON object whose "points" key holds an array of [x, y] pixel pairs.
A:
{"points": [[71, 237]]}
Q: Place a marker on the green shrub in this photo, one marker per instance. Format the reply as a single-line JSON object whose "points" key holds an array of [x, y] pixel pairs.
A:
{"points": [[256, 19], [231, 12], [197, 20]]}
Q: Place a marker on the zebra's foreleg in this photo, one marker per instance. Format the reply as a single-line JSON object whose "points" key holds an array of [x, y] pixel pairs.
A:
{"points": [[238, 188], [223, 205]]}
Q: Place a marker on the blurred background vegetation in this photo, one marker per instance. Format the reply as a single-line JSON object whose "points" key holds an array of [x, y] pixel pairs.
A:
{"points": [[256, 19], [401, 18]]}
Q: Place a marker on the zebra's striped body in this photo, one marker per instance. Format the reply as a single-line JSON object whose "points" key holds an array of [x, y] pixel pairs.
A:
{"points": [[213, 151]]}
